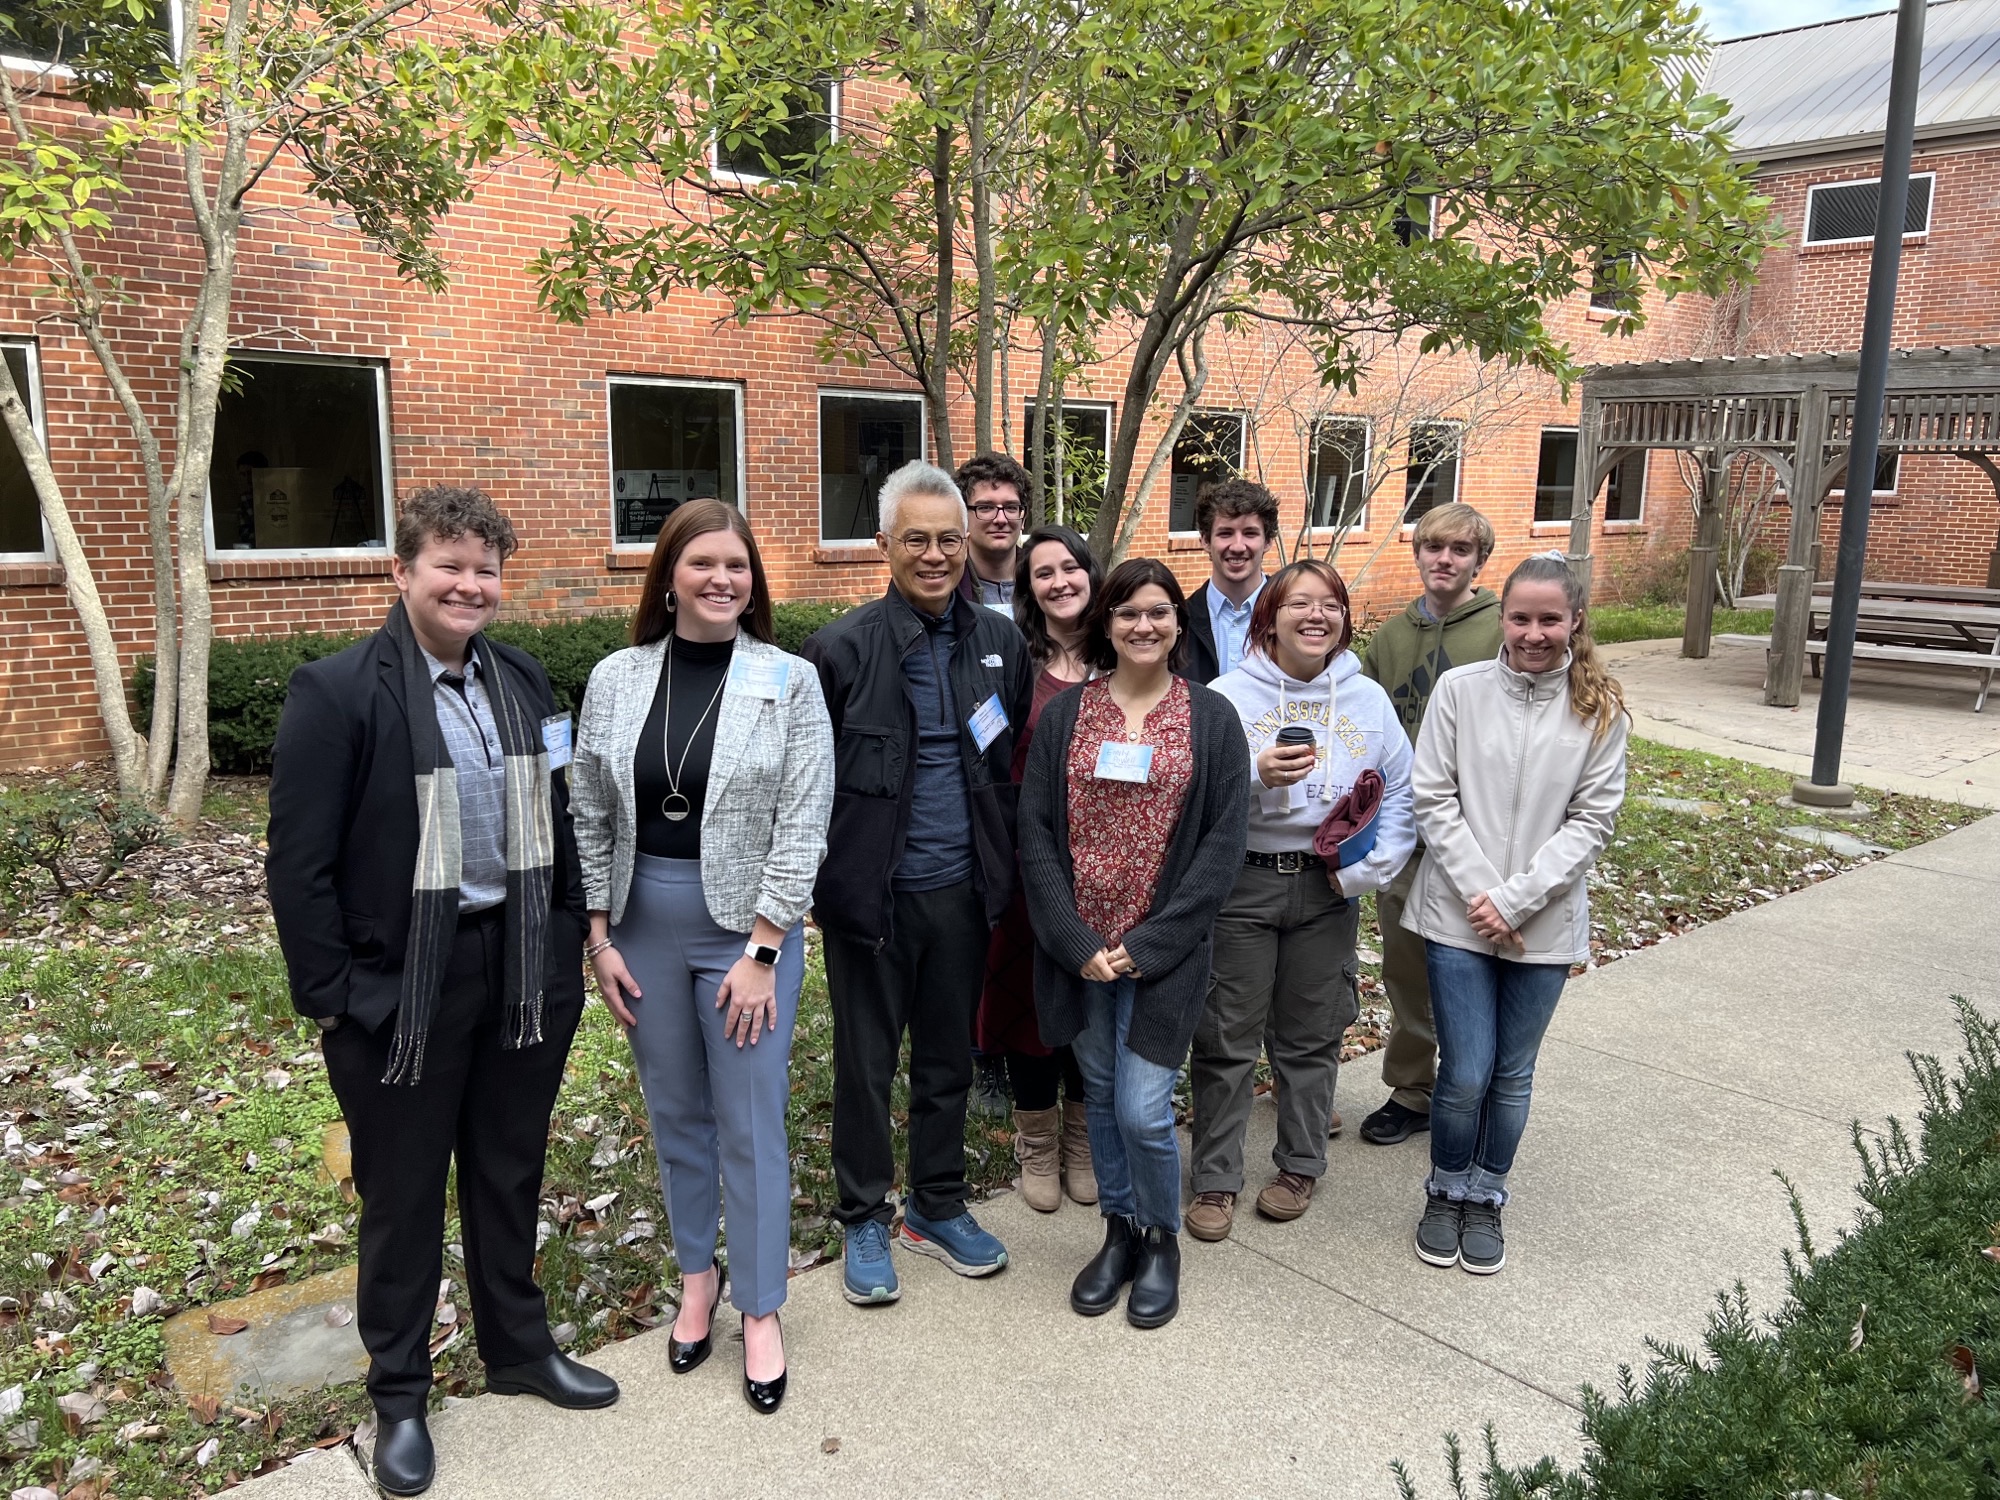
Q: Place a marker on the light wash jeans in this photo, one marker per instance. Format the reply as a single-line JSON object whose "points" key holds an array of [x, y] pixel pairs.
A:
{"points": [[1491, 1014], [1129, 1103]]}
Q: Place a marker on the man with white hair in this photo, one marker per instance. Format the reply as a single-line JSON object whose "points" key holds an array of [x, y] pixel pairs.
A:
{"points": [[926, 692]]}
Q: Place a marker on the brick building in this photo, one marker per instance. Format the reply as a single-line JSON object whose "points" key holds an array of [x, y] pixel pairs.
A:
{"points": [[360, 389]]}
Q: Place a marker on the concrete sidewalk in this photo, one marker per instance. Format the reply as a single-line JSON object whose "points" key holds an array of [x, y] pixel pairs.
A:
{"points": [[1308, 1356]]}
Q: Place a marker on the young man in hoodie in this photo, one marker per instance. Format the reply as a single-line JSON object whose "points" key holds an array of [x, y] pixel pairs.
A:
{"points": [[1452, 623]]}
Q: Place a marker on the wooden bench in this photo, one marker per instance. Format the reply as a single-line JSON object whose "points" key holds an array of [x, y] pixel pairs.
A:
{"points": [[1985, 663]]}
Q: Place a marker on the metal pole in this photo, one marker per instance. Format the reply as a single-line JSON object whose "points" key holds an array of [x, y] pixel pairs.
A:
{"points": [[1825, 788]]}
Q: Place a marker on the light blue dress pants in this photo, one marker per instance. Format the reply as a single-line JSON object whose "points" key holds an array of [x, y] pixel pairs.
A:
{"points": [[718, 1110]]}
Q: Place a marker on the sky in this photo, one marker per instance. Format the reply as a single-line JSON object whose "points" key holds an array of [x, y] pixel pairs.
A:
{"points": [[1727, 18]]}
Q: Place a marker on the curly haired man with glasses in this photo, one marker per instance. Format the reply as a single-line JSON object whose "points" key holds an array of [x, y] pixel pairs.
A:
{"points": [[996, 489]]}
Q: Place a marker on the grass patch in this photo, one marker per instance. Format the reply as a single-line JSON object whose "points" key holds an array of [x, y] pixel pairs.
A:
{"points": [[1867, 1381], [161, 1111], [1665, 622]]}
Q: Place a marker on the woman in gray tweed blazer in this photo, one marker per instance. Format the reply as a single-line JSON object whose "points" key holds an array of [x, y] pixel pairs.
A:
{"points": [[701, 788]]}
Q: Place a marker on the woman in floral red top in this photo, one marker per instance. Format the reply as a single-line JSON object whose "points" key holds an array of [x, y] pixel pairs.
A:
{"points": [[1134, 807]]}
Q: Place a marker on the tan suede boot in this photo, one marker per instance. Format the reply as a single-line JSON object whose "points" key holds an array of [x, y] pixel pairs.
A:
{"points": [[1036, 1147], [1078, 1178]]}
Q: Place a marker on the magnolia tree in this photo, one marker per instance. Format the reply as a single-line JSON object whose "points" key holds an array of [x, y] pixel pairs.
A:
{"points": [[151, 121], [1117, 178]]}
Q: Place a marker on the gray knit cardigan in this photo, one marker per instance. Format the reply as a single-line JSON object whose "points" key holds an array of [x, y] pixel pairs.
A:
{"points": [[1170, 947]]}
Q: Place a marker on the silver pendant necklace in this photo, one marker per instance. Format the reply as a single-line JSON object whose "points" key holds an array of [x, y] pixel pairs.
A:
{"points": [[675, 807]]}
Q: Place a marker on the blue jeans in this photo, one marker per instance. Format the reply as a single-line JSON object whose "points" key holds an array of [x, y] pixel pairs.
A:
{"points": [[1491, 1014], [1129, 1103]]}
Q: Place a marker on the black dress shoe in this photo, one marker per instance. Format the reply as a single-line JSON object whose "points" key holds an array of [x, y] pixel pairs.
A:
{"points": [[1392, 1123], [764, 1396], [1097, 1285], [684, 1357], [405, 1462], [558, 1380], [1156, 1283]]}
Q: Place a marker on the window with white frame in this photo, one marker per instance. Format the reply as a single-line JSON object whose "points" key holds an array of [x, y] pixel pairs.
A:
{"points": [[1085, 459], [1612, 284], [1416, 218], [1887, 467], [783, 148], [1624, 491], [33, 39], [1208, 451], [671, 440], [22, 538], [1843, 213], [301, 461], [1432, 476], [1337, 474], [864, 437]]}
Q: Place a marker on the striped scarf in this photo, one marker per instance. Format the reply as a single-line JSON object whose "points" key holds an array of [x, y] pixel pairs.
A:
{"points": [[434, 896]]}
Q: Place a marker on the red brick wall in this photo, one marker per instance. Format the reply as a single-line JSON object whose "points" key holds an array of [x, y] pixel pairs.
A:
{"points": [[484, 388]]}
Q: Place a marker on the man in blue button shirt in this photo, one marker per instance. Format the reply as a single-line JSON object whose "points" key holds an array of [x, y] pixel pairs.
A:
{"points": [[1238, 520]]}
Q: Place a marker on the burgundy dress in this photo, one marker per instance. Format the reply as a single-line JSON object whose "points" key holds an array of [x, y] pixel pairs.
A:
{"points": [[1006, 1018]]}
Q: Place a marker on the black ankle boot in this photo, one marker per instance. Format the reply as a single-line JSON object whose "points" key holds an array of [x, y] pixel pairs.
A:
{"points": [[1098, 1284], [1156, 1283]]}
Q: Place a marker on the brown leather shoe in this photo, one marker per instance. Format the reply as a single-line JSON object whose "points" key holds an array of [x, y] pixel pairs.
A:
{"points": [[1285, 1199], [1210, 1216], [1334, 1125]]}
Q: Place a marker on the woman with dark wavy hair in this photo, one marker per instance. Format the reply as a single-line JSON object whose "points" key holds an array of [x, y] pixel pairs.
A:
{"points": [[1133, 812], [1054, 582]]}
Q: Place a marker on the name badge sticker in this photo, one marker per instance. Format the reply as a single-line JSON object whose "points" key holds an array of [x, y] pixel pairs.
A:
{"points": [[556, 740], [759, 677], [1119, 760], [986, 722]]}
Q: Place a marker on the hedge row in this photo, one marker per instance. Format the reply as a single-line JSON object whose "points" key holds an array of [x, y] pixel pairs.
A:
{"points": [[1868, 1384], [247, 678]]}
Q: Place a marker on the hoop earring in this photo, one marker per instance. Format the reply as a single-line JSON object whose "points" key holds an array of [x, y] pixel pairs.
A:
{"points": [[672, 602]]}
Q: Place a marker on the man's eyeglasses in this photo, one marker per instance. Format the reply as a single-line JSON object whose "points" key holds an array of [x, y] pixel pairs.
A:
{"points": [[917, 543], [986, 510], [1299, 609], [1131, 614]]}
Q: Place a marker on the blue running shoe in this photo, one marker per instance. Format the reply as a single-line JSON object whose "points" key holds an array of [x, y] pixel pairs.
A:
{"points": [[869, 1276], [960, 1243]]}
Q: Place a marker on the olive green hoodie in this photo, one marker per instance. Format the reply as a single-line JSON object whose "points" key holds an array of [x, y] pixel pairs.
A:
{"points": [[1411, 651]]}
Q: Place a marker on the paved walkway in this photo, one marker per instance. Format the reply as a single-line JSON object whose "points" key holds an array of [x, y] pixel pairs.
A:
{"points": [[1309, 1355], [1907, 730]]}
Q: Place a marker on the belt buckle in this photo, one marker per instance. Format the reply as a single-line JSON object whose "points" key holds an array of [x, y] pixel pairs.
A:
{"points": [[1290, 862]]}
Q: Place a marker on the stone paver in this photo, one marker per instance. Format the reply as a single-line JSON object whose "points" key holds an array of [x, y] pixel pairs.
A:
{"points": [[301, 1337], [1310, 1355], [1907, 731]]}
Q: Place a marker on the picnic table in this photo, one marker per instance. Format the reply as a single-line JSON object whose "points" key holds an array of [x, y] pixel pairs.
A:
{"points": [[1921, 632], [1918, 593]]}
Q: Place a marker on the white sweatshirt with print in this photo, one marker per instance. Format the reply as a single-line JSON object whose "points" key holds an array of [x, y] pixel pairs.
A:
{"points": [[1357, 730]]}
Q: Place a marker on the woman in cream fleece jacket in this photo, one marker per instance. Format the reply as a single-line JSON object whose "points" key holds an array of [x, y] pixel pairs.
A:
{"points": [[1520, 772], [1283, 978]]}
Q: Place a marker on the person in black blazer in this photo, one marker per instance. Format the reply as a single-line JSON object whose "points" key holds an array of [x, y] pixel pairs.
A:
{"points": [[1238, 521], [440, 952]]}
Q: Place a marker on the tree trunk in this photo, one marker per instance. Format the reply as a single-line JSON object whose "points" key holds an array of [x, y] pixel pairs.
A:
{"points": [[1042, 441], [128, 749], [983, 393], [938, 376], [1193, 359]]}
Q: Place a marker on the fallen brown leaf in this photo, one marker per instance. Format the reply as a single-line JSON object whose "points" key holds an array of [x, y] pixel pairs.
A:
{"points": [[264, 1280], [829, 1445], [204, 1409], [1968, 1371], [223, 1325]]}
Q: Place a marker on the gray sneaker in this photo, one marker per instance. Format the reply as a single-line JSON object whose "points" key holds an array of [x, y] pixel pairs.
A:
{"points": [[1438, 1232], [1482, 1249]]}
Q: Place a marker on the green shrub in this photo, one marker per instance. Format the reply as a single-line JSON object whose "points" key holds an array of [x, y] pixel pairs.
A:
{"points": [[247, 678], [567, 649], [246, 692], [1830, 1399], [792, 620], [74, 841]]}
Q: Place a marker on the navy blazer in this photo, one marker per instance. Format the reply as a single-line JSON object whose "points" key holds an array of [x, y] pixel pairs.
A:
{"points": [[343, 836]]}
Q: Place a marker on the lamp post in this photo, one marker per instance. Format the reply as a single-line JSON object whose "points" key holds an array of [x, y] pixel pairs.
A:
{"points": [[1825, 788]]}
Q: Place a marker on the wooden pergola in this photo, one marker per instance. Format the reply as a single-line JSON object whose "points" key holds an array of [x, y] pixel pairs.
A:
{"points": [[1795, 412]]}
